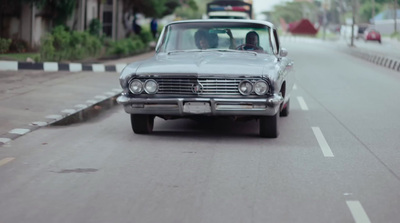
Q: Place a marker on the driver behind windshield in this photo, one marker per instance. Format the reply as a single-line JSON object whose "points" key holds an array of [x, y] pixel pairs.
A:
{"points": [[252, 42], [201, 38]]}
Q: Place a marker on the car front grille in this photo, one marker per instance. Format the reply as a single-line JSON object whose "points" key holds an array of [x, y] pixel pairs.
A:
{"points": [[200, 86]]}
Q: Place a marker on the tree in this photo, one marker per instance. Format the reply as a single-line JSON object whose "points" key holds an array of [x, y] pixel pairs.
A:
{"points": [[294, 11], [156, 8]]}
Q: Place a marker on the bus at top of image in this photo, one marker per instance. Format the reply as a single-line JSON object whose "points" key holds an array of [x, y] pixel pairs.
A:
{"points": [[222, 9]]}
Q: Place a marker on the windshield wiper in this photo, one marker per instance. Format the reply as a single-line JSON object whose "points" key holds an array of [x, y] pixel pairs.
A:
{"points": [[184, 51], [235, 51], [212, 50]]}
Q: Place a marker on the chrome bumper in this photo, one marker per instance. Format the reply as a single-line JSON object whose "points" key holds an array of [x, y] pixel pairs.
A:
{"points": [[201, 106]]}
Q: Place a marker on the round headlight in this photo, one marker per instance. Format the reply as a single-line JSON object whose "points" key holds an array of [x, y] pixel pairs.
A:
{"points": [[136, 87], [261, 87], [151, 87], [245, 87]]}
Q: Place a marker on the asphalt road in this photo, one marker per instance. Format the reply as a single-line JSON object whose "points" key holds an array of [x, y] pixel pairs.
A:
{"points": [[336, 159]]}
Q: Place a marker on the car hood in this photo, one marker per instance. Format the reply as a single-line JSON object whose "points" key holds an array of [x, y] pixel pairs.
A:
{"points": [[207, 64]]}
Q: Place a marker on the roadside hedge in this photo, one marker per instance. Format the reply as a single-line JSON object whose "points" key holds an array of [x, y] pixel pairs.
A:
{"points": [[4, 45], [64, 45], [127, 46], [61, 45]]}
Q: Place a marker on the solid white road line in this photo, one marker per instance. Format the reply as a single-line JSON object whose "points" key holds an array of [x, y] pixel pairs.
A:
{"points": [[6, 160], [302, 103], [326, 150], [358, 212]]}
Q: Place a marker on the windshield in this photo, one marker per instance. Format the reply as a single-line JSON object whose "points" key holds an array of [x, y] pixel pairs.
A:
{"points": [[216, 36]]}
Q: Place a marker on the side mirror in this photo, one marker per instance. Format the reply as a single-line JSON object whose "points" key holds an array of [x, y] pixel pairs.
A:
{"points": [[283, 52]]}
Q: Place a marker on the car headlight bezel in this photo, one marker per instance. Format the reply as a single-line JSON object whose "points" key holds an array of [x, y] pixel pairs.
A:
{"points": [[155, 86], [248, 87], [265, 86], [138, 84]]}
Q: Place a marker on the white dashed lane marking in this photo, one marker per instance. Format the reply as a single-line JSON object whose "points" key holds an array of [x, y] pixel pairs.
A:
{"points": [[326, 150], [100, 97], [294, 87], [358, 212], [56, 117], [39, 123], [19, 131], [68, 111], [5, 140], [110, 93], [302, 103], [80, 106], [91, 101], [6, 160]]}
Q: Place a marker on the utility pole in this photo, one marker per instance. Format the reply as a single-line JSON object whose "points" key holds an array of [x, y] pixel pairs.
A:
{"points": [[373, 9], [353, 23], [395, 16], [324, 18]]}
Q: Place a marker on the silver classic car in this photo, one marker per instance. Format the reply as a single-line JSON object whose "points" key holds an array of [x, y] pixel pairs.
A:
{"points": [[224, 68]]}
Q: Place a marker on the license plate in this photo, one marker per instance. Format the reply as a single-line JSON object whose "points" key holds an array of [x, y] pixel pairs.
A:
{"points": [[373, 35], [197, 107]]}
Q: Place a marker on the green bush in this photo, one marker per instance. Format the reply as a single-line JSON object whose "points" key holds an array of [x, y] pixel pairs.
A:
{"points": [[4, 45], [395, 35], [47, 49], [19, 46], [95, 27], [63, 44], [126, 47], [146, 36]]}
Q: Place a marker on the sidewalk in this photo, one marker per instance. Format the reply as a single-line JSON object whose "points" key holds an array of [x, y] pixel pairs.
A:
{"points": [[30, 99]]}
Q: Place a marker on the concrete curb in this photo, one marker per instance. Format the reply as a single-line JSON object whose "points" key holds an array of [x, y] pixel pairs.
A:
{"points": [[54, 66], [79, 113], [381, 60], [373, 57]]}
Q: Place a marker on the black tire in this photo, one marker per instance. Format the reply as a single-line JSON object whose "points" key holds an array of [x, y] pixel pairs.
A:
{"points": [[285, 110], [269, 126], [142, 124]]}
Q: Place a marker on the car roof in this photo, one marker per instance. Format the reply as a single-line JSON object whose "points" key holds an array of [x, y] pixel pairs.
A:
{"points": [[260, 22]]}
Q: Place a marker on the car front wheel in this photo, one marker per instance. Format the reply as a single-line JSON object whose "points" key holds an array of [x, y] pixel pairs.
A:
{"points": [[285, 110], [269, 126], [142, 124]]}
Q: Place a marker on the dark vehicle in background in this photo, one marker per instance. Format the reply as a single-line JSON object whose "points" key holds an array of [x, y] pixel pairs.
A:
{"points": [[235, 76], [372, 35]]}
